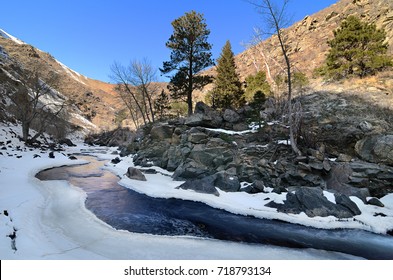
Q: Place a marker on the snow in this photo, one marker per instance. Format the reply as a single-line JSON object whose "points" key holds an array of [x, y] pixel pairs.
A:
{"points": [[284, 142], [231, 132], [51, 221], [75, 75], [243, 203], [8, 36]]}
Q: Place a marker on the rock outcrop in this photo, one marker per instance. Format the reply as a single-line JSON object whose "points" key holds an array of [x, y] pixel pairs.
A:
{"points": [[313, 203], [217, 159], [376, 148]]}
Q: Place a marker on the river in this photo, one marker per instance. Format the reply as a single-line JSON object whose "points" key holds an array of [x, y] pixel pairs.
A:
{"points": [[123, 208]]}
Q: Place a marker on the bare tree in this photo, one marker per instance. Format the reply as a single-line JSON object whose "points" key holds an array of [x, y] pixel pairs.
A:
{"points": [[37, 104], [276, 19], [136, 87], [258, 45]]}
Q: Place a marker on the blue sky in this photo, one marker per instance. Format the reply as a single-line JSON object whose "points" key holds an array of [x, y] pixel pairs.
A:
{"points": [[88, 36]]}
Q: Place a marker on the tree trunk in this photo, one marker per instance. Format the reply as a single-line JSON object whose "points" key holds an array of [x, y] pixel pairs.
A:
{"points": [[25, 131], [190, 86]]}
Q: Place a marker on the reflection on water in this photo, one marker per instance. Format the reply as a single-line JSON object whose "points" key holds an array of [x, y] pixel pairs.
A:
{"points": [[126, 209]]}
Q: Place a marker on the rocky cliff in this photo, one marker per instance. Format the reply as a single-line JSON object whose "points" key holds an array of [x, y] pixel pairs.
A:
{"points": [[307, 39]]}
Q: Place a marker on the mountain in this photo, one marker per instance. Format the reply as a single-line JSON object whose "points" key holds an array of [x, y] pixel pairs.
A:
{"points": [[95, 103], [307, 39]]}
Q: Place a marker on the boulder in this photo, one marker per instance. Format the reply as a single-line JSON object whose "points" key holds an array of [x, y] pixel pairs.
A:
{"points": [[116, 160], [375, 201], [204, 116], [197, 138], [175, 157], [160, 132], [209, 156], [204, 185], [313, 203], [227, 182], [190, 170], [345, 201], [135, 174], [339, 178], [376, 148], [231, 116]]}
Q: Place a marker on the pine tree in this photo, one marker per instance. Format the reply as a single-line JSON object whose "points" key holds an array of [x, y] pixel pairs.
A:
{"points": [[161, 104], [190, 54], [357, 49], [227, 91], [256, 83]]}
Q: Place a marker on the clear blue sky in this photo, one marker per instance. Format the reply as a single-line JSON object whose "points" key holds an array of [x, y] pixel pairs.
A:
{"points": [[88, 36]]}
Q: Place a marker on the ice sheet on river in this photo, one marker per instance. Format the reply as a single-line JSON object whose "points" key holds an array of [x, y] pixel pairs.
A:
{"points": [[48, 220]]}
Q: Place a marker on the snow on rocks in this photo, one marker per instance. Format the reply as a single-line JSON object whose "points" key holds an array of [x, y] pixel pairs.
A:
{"points": [[48, 219]]}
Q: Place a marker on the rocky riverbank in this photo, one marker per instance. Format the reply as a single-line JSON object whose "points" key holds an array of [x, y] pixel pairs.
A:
{"points": [[345, 151]]}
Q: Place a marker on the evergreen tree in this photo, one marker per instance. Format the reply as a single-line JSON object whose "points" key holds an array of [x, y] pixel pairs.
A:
{"points": [[255, 83], [227, 91], [357, 49], [190, 53], [257, 104], [161, 104]]}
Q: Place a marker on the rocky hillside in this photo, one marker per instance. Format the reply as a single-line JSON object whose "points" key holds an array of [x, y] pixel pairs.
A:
{"points": [[307, 39], [94, 100], [346, 141]]}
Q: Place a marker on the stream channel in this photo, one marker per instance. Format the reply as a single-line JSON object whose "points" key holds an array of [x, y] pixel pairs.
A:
{"points": [[126, 209]]}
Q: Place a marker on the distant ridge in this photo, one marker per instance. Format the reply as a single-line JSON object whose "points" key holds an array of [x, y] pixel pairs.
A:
{"points": [[307, 38], [96, 101]]}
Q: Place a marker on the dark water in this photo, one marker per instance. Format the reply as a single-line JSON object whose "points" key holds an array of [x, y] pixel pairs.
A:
{"points": [[126, 209]]}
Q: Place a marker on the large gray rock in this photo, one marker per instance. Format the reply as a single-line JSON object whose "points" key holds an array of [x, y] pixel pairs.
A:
{"points": [[204, 116], [190, 170], [231, 116], [227, 182], [339, 179], [197, 137], [375, 201], [345, 201], [176, 155], [376, 148], [211, 157], [135, 174], [160, 132], [204, 185], [313, 203]]}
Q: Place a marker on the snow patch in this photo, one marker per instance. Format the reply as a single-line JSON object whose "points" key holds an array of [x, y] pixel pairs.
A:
{"points": [[46, 229], [9, 36], [284, 142], [75, 75], [230, 132]]}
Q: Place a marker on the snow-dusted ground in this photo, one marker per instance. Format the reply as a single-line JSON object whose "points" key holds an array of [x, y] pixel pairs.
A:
{"points": [[49, 219]]}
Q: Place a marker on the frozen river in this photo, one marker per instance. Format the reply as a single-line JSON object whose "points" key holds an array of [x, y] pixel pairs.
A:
{"points": [[125, 209]]}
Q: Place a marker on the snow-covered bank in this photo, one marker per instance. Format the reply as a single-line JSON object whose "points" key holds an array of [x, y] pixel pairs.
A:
{"points": [[373, 218], [48, 220]]}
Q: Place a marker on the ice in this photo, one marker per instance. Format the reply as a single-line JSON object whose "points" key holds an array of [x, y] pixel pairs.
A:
{"points": [[52, 222]]}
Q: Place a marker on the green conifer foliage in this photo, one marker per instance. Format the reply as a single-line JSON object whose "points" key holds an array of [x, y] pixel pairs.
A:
{"points": [[190, 54], [357, 49], [227, 91], [256, 83]]}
